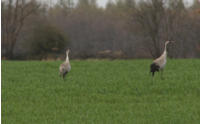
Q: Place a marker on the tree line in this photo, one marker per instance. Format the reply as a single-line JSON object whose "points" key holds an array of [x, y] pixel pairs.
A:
{"points": [[123, 29]]}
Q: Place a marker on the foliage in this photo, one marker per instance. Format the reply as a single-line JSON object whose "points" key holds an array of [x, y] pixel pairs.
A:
{"points": [[33, 92], [136, 29], [14, 15], [47, 39]]}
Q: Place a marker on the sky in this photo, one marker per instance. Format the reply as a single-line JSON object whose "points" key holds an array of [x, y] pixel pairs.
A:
{"points": [[102, 3]]}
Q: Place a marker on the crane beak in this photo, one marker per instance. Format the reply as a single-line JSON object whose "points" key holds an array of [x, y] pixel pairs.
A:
{"points": [[172, 42], [68, 50]]}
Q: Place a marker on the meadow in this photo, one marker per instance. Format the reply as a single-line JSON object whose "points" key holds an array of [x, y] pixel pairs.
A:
{"points": [[100, 92]]}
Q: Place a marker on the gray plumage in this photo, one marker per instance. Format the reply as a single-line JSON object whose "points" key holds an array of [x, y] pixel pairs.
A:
{"points": [[159, 63], [65, 67]]}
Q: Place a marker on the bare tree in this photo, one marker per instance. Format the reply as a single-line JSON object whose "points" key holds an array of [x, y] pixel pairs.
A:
{"points": [[14, 13], [124, 27], [149, 15]]}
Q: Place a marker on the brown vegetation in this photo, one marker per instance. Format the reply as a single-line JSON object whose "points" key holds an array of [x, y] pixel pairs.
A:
{"points": [[123, 29]]}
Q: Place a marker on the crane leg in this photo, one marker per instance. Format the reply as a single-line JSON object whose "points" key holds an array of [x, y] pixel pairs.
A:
{"points": [[161, 74], [63, 77]]}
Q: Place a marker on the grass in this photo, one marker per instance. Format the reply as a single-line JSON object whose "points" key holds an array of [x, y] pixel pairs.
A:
{"points": [[100, 92]]}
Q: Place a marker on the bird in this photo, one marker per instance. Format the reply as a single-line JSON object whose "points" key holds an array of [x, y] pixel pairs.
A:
{"points": [[159, 63], [65, 67]]}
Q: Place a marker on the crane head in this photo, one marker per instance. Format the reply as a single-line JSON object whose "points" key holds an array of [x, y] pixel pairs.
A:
{"points": [[169, 42], [67, 51]]}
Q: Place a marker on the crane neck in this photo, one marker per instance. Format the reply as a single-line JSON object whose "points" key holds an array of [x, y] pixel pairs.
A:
{"points": [[67, 58], [165, 50]]}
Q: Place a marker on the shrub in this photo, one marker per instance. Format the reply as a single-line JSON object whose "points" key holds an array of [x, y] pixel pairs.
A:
{"points": [[46, 40]]}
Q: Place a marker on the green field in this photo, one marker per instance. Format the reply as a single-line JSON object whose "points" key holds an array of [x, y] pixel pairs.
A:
{"points": [[100, 92]]}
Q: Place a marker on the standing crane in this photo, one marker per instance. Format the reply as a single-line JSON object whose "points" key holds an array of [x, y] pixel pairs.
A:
{"points": [[159, 63], [65, 67]]}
